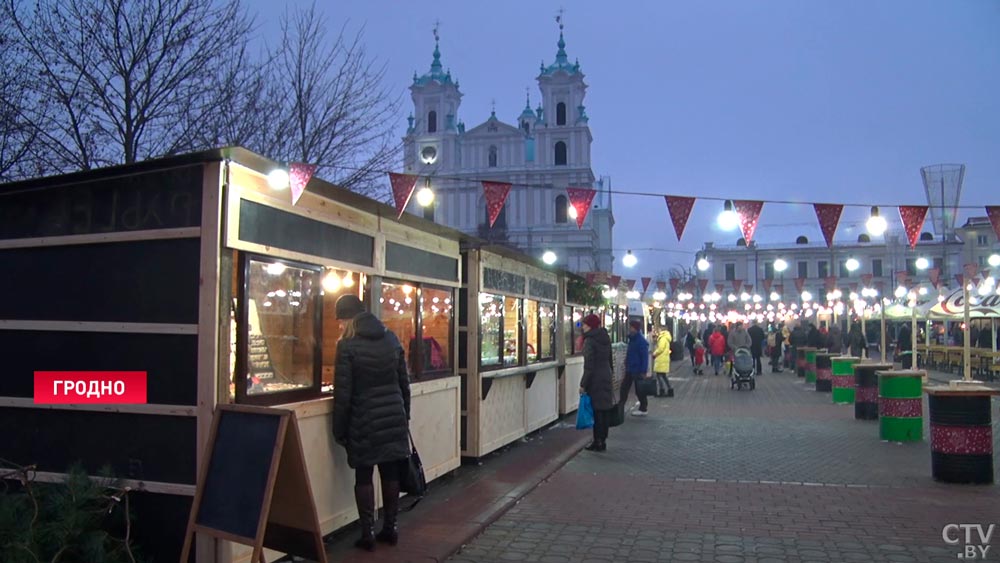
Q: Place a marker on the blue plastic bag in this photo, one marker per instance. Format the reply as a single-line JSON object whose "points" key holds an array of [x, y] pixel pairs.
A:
{"points": [[585, 413]]}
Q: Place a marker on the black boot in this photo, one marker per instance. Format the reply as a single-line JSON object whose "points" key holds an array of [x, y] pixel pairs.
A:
{"points": [[364, 496], [390, 496]]}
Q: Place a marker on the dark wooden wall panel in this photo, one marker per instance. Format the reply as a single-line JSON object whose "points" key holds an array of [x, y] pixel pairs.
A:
{"points": [[137, 446], [409, 260], [171, 361], [149, 281]]}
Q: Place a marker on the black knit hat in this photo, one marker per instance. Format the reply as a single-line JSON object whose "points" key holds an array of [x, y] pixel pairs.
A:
{"points": [[348, 307]]}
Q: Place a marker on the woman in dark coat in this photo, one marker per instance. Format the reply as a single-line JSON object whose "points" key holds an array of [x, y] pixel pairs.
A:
{"points": [[596, 381], [371, 414]]}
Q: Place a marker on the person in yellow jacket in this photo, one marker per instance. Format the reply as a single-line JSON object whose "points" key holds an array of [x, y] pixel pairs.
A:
{"points": [[661, 363]]}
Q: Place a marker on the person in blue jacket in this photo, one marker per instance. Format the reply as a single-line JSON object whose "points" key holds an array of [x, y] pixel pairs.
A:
{"points": [[636, 367]]}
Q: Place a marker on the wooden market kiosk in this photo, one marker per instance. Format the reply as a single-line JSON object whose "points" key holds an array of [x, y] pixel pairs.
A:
{"points": [[195, 270]]}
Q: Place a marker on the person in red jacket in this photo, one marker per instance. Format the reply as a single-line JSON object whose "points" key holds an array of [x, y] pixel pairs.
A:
{"points": [[717, 346]]}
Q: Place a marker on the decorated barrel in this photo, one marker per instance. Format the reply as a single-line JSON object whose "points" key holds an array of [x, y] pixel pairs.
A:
{"points": [[843, 379], [824, 372], [811, 363], [800, 361], [961, 433], [866, 390], [900, 405]]}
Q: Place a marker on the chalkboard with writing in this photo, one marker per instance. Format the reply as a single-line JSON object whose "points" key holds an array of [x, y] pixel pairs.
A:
{"points": [[162, 199]]}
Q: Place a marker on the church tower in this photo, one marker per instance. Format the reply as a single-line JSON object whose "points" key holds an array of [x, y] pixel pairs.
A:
{"points": [[431, 136], [566, 139]]}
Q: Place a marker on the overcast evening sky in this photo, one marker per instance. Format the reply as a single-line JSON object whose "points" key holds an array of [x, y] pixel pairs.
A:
{"points": [[838, 101]]}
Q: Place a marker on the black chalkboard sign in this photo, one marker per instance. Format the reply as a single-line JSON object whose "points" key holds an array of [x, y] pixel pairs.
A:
{"points": [[254, 488]]}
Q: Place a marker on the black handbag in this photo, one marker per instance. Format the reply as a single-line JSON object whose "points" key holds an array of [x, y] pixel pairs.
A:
{"points": [[647, 386], [617, 415], [411, 474]]}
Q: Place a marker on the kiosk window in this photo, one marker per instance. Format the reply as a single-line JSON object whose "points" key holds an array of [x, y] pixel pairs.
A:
{"points": [[435, 324], [399, 314], [546, 331], [421, 317], [281, 330], [532, 333], [491, 321], [337, 283]]}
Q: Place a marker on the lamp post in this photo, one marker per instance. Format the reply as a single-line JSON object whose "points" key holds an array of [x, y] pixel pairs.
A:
{"points": [[876, 226]]}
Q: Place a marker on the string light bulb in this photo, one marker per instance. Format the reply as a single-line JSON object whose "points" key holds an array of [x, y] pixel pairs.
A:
{"points": [[876, 224]]}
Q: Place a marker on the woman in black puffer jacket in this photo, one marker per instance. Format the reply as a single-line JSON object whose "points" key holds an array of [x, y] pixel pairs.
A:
{"points": [[371, 414]]}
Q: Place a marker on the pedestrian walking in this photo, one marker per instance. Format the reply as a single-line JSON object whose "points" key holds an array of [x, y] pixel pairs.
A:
{"points": [[689, 343], [636, 368], [597, 381], [699, 357], [738, 338], [835, 340], [661, 362], [757, 339], [717, 347], [775, 340], [371, 414], [856, 340]]}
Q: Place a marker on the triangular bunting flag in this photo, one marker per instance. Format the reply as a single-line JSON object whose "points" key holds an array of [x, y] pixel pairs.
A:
{"points": [[749, 213], [737, 284], [748, 288], [661, 285], [719, 288], [673, 284], [934, 274], [679, 208], [299, 175], [496, 195], [828, 215], [993, 212], [866, 279], [402, 190], [767, 285], [580, 199], [800, 283], [880, 286], [630, 284], [780, 289], [615, 281], [831, 282], [913, 220], [645, 283], [902, 277], [702, 284]]}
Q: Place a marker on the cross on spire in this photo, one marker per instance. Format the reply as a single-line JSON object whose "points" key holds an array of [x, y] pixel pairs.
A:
{"points": [[437, 26], [559, 15]]}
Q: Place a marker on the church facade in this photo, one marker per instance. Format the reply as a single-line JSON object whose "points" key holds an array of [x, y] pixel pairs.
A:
{"points": [[546, 150]]}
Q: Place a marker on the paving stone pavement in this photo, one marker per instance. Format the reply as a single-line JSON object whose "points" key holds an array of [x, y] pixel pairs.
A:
{"points": [[775, 474]]}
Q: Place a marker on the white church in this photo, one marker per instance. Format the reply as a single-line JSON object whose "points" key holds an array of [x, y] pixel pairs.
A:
{"points": [[546, 151]]}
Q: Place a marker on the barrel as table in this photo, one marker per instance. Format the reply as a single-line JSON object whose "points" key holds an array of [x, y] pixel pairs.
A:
{"points": [[866, 390], [811, 363], [961, 433], [842, 368], [900, 405], [824, 372], [800, 361]]}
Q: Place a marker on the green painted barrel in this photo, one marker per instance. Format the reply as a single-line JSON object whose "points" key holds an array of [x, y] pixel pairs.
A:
{"points": [[900, 405], [843, 379], [824, 371], [811, 364]]}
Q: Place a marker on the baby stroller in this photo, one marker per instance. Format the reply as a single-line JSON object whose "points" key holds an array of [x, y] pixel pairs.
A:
{"points": [[743, 370]]}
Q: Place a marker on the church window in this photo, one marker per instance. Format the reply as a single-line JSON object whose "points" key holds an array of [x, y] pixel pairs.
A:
{"points": [[526, 126], [432, 121], [560, 113], [562, 210], [493, 157], [560, 151]]}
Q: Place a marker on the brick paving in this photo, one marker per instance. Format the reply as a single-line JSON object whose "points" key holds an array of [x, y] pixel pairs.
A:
{"points": [[775, 474]]}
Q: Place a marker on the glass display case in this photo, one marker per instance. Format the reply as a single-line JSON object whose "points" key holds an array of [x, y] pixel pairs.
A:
{"points": [[421, 316], [491, 330], [546, 331]]}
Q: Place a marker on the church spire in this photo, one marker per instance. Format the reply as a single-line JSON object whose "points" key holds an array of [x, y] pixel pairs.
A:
{"points": [[436, 72], [562, 59]]}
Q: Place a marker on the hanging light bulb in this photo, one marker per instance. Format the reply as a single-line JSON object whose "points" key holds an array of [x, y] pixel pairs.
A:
{"points": [[728, 220], [331, 282], [278, 179], [571, 212], [629, 259], [780, 265], [703, 264], [876, 224], [425, 195], [549, 257], [994, 260], [852, 264], [348, 280], [922, 263]]}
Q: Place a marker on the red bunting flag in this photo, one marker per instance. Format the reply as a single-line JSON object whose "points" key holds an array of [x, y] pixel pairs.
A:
{"points": [[880, 286], [673, 284], [800, 283], [913, 220], [780, 289], [993, 212], [749, 213], [866, 279], [719, 288], [645, 283], [853, 287], [615, 281], [767, 285], [630, 284], [299, 174], [934, 274], [831, 282], [402, 189], [828, 215], [902, 277], [679, 208], [661, 285], [580, 199], [496, 195], [748, 288], [737, 284], [702, 284]]}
